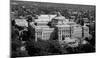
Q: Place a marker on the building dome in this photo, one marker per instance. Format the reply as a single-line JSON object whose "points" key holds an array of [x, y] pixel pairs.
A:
{"points": [[59, 17]]}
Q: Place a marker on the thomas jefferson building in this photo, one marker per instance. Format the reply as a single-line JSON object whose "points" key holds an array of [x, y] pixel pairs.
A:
{"points": [[61, 29]]}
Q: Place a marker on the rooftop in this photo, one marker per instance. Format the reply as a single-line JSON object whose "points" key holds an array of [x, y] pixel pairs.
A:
{"points": [[63, 25], [45, 17], [21, 22]]}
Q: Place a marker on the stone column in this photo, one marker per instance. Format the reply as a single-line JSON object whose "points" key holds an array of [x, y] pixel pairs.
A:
{"points": [[35, 35], [58, 35], [61, 35], [42, 35]]}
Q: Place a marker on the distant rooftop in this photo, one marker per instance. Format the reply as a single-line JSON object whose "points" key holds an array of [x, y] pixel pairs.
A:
{"points": [[45, 17]]}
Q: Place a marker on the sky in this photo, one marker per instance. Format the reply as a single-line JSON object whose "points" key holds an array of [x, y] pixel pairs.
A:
{"points": [[84, 2]]}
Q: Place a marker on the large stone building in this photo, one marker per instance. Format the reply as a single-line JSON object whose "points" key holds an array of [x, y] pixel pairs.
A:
{"points": [[43, 32], [61, 28]]}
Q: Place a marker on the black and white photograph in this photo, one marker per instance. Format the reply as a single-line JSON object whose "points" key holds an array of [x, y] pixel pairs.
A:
{"points": [[45, 28]]}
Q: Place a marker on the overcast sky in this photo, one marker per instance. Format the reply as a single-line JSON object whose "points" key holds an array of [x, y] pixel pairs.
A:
{"points": [[86, 2]]}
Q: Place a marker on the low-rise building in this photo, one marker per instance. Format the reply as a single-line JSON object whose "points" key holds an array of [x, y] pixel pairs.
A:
{"points": [[21, 22]]}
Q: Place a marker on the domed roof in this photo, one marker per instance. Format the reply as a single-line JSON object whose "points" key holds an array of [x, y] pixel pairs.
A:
{"points": [[59, 17]]}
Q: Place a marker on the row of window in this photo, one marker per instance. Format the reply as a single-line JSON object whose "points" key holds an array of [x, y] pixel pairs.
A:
{"points": [[65, 32], [60, 28], [63, 37]]}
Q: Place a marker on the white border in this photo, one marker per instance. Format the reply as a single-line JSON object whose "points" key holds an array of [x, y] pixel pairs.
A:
{"points": [[4, 29]]}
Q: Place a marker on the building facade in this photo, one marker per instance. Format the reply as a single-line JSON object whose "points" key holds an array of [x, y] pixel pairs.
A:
{"points": [[62, 29], [43, 32]]}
